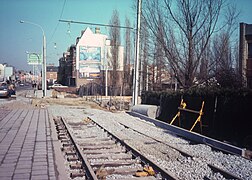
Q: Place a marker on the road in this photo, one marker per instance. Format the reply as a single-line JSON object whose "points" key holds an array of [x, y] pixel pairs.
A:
{"points": [[24, 94]]}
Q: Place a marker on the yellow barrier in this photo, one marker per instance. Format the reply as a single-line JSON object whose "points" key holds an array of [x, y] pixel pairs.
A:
{"points": [[182, 107]]}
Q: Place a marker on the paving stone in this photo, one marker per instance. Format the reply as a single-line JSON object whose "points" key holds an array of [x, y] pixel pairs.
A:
{"points": [[52, 177], [39, 172], [39, 177], [23, 165], [6, 172], [26, 146], [23, 171], [43, 169], [6, 177], [25, 159], [10, 160], [8, 165], [18, 176]]}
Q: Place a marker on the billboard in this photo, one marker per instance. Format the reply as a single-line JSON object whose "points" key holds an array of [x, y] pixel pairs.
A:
{"points": [[89, 62], [34, 59], [8, 71]]}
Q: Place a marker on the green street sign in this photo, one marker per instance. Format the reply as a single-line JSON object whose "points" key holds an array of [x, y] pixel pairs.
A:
{"points": [[34, 59]]}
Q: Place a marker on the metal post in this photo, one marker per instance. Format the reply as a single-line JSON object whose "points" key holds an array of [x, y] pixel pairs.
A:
{"points": [[44, 66], [106, 81], [136, 65], [44, 87]]}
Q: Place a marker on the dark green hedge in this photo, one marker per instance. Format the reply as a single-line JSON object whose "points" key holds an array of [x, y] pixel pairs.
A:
{"points": [[226, 112]]}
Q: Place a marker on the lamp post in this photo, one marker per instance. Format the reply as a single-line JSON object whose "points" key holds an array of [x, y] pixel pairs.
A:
{"points": [[44, 85]]}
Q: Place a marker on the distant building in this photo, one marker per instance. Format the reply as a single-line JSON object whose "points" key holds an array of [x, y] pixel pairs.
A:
{"points": [[51, 73], [93, 55], [2, 72], [67, 67], [6, 73], [245, 53], [88, 60]]}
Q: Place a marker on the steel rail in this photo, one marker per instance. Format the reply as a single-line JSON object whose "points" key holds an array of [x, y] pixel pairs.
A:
{"points": [[159, 141], [193, 136], [88, 169], [214, 168], [226, 174], [164, 173]]}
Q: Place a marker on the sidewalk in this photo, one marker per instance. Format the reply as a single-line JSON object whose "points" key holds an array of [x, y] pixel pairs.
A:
{"points": [[27, 143], [39, 93]]}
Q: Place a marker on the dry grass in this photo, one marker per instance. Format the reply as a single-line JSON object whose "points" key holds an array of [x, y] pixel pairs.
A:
{"points": [[64, 101]]}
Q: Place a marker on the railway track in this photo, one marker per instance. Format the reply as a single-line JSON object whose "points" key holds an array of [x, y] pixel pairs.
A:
{"points": [[215, 170], [95, 153]]}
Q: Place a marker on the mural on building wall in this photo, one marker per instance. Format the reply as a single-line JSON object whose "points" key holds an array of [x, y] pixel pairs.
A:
{"points": [[90, 62]]}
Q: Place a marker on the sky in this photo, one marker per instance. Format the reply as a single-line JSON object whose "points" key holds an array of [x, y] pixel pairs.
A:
{"points": [[19, 38]]}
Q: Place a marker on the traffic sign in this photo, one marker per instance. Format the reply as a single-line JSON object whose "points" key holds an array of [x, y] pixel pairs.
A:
{"points": [[34, 59]]}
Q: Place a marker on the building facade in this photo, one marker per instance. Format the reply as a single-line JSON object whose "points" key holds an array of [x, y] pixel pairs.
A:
{"points": [[6, 73], [2, 72], [90, 61], [245, 54], [51, 74]]}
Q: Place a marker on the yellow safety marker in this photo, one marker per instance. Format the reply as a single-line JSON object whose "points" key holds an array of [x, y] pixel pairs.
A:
{"points": [[199, 118], [183, 106]]}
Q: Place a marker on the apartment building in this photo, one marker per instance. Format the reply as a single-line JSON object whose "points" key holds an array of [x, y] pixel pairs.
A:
{"points": [[89, 61], [245, 54]]}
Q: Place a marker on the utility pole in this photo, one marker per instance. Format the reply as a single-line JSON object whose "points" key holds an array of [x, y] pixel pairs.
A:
{"points": [[44, 83], [136, 65]]}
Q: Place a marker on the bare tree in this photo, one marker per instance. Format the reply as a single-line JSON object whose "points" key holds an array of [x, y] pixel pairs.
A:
{"points": [[127, 59], [187, 27], [144, 57], [225, 51], [115, 43], [158, 60]]}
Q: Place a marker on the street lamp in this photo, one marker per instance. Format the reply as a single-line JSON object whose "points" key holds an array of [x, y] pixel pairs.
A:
{"points": [[44, 85]]}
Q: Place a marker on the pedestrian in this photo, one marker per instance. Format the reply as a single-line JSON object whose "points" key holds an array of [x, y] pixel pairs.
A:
{"points": [[11, 90]]}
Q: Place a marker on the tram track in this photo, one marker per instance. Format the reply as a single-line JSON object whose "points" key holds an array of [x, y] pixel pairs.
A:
{"points": [[102, 155], [99, 154], [214, 168], [191, 163]]}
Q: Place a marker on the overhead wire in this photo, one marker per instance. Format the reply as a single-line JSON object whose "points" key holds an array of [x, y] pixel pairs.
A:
{"points": [[56, 27]]}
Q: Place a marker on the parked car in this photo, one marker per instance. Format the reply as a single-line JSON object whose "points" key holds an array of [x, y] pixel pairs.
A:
{"points": [[7, 90], [3, 90], [57, 86]]}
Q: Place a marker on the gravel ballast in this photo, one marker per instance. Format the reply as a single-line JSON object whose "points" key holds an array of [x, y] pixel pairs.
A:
{"points": [[168, 158]]}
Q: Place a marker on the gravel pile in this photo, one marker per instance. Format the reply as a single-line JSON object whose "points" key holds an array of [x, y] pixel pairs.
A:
{"points": [[181, 166]]}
